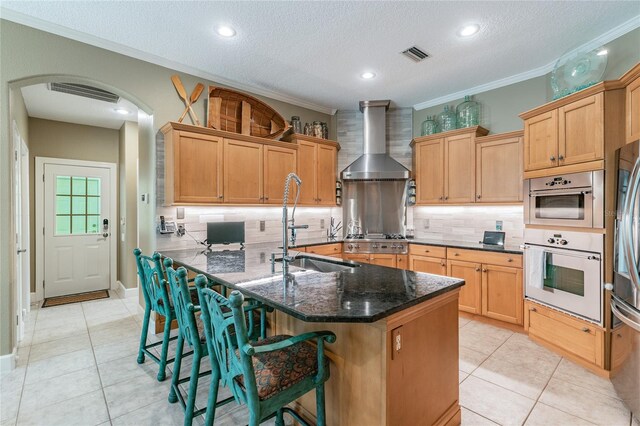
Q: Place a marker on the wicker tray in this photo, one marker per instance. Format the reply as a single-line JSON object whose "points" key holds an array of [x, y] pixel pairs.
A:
{"points": [[237, 112]]}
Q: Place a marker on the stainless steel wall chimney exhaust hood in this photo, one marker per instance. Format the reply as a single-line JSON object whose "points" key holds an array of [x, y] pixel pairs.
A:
{"points": [[375, 163]]}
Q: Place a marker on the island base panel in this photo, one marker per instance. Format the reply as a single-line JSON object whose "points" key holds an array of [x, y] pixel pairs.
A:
{"points": [[372, 383]]}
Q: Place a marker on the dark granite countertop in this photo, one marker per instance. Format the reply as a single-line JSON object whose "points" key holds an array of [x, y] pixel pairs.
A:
{"points": [[511, 249], [364, 293]]}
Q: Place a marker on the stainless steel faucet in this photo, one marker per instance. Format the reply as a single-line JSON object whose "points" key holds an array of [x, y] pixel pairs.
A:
{"points": [[289, 224]]}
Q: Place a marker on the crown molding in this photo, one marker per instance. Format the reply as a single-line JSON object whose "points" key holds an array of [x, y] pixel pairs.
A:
{"points": [[39, 24], [605, 38]]}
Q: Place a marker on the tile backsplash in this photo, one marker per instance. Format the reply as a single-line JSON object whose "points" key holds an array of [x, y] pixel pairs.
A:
{"points": [[466, 223], [196, 218]]}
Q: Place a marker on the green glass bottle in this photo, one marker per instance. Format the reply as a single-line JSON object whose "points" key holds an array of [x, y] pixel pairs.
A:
{"points": [[468, 113], [447, 119], [429, 126]]}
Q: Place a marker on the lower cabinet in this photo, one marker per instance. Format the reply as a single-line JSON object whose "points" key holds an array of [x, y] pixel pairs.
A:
{"points": [[356, 257], [580, 340], [430, 265], [388, 260], [502, 297], [402, 261], [326, 249], [470, 295]]}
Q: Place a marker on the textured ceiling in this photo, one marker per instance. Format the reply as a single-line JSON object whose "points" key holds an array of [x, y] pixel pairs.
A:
{"points": [[314, 52]]}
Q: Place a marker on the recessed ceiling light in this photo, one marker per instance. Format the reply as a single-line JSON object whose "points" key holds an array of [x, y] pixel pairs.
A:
{"points": [[122, 111], [602, 52], [226, 31], [468, 30], [367, 75]]}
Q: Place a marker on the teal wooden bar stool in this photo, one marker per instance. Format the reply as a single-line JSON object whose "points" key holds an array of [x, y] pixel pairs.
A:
{"points": [[266, 375], [191, 332], [156, 299]]}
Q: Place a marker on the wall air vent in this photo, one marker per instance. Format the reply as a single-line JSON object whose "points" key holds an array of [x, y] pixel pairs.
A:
{"points": [[84, 91], [415, 54]]}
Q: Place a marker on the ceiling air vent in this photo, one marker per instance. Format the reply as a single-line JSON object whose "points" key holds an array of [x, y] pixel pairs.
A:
{"points": [[415, 54], [84, 91]]}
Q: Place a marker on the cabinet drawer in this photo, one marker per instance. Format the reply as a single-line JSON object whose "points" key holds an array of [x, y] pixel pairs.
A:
{"points": [[431, 251], [325, 249], [579, 338], [621, 345], [490, 258]]}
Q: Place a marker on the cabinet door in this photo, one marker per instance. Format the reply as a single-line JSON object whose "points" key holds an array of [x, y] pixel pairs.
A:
{"points": [[499, 171], [383, 260], [541, 141], [278, 163], [197, 163], [502, 293], [326, 175], [308, 171], [402, 261], [581, 131], [459, 169], [243, 173], [429, 172], [633, 111], [470, 294], [356, 257], [430, 265]]}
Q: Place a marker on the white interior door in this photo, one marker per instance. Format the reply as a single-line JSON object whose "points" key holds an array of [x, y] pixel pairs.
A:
{"points": [[77, 228], [21, 210]]}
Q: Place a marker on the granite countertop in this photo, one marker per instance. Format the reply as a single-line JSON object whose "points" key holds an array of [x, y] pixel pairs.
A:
{"points": [[509, 248], [363, 293]]}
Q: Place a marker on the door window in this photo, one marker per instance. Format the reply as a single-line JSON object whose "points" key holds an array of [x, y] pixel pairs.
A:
{"points": [[563, 278], [560, 207], [77, 207]]}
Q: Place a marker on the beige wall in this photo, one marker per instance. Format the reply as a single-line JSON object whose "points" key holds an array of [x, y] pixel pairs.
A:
{"points": [[65, 140], [500, 107], [128, 206]]}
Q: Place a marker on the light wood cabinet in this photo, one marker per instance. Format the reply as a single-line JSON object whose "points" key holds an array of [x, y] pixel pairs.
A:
{"points": [[388, 260], [541, 141], [402, 261], [499, 168], [460, 164], [278, 163], [502, 297], [430, 265], [429, 172], [243, 172], [317, 168], [632, 132], [581, 130], [427, 250], [470, 294], [444, 166], [193, 168], [356, 257], [580, 340], [621, 346], [325, 249]]}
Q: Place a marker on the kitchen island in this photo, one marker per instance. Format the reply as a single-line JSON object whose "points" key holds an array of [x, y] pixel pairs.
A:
{"points": [[395, 361]]}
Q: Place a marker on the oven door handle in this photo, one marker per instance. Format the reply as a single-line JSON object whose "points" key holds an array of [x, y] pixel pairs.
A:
{"points": [[621, 311], [558, 192], [627, 224]]}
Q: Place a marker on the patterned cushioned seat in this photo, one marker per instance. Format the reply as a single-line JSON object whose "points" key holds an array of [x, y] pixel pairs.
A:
{"points": [[281, 369]]}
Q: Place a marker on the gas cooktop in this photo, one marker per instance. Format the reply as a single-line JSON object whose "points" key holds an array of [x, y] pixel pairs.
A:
{"points": [[374, 237]]}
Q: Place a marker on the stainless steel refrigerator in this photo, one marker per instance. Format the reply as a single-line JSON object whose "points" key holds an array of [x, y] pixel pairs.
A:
{"points": [[625, 303]]}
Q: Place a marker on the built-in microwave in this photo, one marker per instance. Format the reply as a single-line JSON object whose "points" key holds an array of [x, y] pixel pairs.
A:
{"points": [[575, 199]]}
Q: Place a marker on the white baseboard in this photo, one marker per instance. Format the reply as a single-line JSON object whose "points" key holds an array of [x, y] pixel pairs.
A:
{"points": [[125, 293], [34, 298], [8, 362]]}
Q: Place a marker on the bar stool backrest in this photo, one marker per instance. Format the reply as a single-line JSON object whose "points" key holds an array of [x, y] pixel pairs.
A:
{"points": [[153, 284], [184, 308]]}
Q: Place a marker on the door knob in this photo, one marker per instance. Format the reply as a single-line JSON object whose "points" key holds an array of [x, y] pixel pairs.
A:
{"points": [[21, 251]]}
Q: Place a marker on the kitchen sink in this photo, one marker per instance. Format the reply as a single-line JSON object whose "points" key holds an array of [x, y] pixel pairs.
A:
{"points": [[321, 265]]}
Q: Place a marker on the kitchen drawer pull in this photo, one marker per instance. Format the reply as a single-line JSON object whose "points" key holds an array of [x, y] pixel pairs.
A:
{"points": [[426, 251], [510, 260], [586, 329], [533, 310], [456, 254], [619, 335]]}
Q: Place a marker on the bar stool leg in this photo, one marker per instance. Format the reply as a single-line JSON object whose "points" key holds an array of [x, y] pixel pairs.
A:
{"points": [[162, 374], [144, 333], [175, 377]]}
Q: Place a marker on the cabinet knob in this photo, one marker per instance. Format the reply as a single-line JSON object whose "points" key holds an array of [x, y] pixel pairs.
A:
{"points": [[456, 254], [446, 198], [484, 270], [560, 157], [426, 251], [586, 329], [619, 335], [509, 260], [552, 158], [266, 198], [477, 269], [220, 196], [319, 199], [479, 196], [442, 264], [440, 198], [533, 310]]}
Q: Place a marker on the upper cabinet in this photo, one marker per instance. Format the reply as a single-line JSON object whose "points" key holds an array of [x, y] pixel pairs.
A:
{"points": [[207, 166], [499, 168], [464, 166], [193, 168], [317, 168], [632, 108], [575, 133]]}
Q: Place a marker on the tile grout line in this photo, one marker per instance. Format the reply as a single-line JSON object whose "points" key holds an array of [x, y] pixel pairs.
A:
{"points": [[26, 368], [537, 400]]}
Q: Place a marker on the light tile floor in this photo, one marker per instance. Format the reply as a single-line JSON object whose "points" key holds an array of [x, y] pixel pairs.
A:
{"points": [[77, 365]]}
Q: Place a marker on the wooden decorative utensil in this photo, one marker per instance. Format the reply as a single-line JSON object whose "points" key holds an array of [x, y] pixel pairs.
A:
{"points": [[188, 101]]}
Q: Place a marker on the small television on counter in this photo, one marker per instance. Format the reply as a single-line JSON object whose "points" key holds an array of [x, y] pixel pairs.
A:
{"points": [[225, 233]]}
